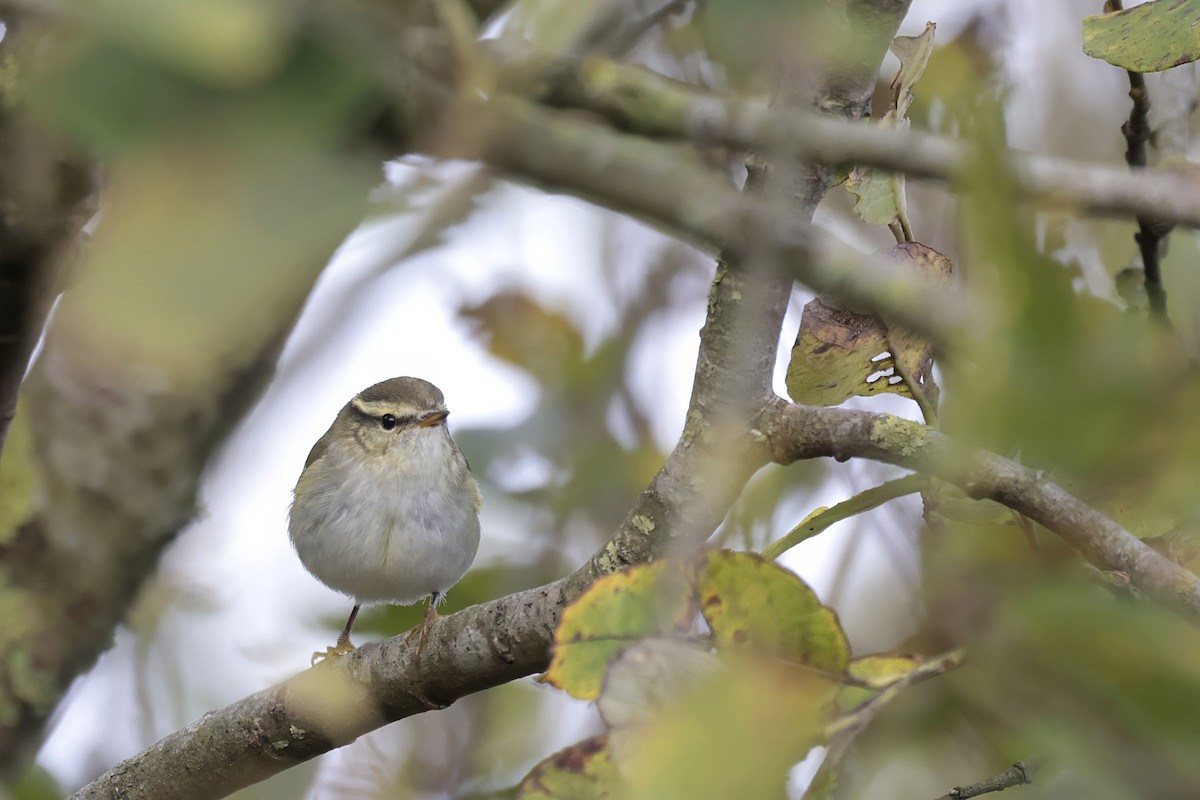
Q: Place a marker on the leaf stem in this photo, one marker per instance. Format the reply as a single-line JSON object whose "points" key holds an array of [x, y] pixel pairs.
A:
{"points": [[928, 410], [863, 501]]}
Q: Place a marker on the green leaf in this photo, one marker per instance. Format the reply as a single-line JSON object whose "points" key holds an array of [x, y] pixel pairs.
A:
{"points": [[954, 504], [751, 603], [734, 735], [582, 771], [115, 98], [35, 784], [878, 671], [615, 612], [1095, 684], [1147, 38], [877, 195], [914, 53], [518, 330], [1044, 344], [749, 38], [222, 41]]}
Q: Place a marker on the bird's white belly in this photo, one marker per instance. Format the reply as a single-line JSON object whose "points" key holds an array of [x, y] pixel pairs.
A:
{"points": [[388, 538], [400, 562]]}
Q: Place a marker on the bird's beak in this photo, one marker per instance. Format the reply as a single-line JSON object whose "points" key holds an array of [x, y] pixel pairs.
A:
{"points": [[432, 419]]}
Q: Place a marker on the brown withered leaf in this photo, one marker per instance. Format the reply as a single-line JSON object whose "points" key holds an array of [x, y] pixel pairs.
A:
{"points": [[841, 353]]}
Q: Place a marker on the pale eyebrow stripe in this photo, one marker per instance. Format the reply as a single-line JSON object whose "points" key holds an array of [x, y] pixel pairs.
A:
{"points": [[378, 409]]}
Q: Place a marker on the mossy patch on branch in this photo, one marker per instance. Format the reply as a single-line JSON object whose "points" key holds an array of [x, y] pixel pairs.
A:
{"points": [[897, 435]]}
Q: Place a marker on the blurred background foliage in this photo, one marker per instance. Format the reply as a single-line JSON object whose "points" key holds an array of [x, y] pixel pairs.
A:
{"points": [[240, 142]]}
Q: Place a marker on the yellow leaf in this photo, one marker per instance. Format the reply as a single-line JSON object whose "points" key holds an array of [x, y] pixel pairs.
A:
{"points": [[649, 600], [582, 771], [753, 604]]}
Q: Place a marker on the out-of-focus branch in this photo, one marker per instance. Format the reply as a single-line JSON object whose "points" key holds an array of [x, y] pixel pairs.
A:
{"points": [[44, 197], [138, 383], [650, 104], [664, 186], [845, 730]]}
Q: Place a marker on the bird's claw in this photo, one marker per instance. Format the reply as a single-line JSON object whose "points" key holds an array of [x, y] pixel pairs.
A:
{"points": [[339, 649], [422, 630]]}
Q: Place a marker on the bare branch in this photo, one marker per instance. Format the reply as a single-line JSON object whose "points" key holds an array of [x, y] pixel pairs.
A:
{"points": [[1018, 774], [653, 105], [798, 432], [663, 185]]}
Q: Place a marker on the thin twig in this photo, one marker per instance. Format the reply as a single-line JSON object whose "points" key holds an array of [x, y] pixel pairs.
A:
{"points": [[1151, 232], [862, 716], [1018, 774], [845, 730]]}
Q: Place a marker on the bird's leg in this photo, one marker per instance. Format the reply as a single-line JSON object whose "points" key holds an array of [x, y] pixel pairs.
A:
{"points": [[344, 645], [431, 616]]}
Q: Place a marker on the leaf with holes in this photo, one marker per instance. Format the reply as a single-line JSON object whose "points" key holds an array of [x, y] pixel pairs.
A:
{"points": [[753, 604], [582, 771], [838, 354], [914, 352], [617, 611], [841, 353]]}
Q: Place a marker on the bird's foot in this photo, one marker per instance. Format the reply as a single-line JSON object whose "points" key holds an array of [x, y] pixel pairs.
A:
{"points": [[340, 649], [422, 630]]}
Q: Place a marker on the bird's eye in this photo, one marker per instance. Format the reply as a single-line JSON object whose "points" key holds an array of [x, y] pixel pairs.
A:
{"points": [[387, 421]]}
